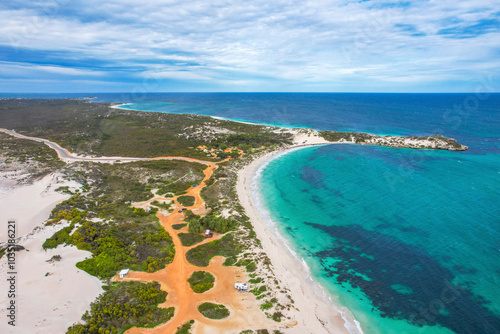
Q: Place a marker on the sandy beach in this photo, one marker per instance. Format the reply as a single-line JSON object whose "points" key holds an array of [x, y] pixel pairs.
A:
{"points": [[317, 313]]}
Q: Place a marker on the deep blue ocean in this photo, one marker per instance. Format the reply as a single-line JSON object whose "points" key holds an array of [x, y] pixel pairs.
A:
{"points": [[407, 240]]}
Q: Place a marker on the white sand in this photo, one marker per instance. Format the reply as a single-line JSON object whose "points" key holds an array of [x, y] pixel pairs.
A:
{"points": [[45, 304], [317, 313], [30, 205], [307, 137]]}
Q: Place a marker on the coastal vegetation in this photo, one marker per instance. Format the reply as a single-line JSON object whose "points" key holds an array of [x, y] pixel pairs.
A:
{"points": [[178, 226], [186, 200], [210, 221], [36, 159], [250, 140], [213, 311], [116, 246], [162, 205], [201, 255], [25, 150], [96, 129], [201, 281], [186, 328], [124, 305], [424, 142], [190, 239], [103, 222]]}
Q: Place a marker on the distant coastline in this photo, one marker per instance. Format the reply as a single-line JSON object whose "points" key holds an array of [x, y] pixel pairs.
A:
{"points": [[433, 142]]}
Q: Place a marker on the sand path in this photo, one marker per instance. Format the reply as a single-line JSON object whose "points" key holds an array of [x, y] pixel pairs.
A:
{"points": [[69, 157], [243, 307]]}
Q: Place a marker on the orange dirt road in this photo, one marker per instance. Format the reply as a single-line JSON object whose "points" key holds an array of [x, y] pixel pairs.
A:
{"points": [[243, 307]]}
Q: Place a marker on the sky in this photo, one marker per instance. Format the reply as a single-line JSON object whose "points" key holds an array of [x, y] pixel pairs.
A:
{"points": [[249, 46]]}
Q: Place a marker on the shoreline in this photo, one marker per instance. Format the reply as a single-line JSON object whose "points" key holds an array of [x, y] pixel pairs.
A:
{"points": [[326, 317]]}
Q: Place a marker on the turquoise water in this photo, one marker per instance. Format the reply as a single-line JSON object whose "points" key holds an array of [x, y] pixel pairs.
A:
{"points": [[407, 239]]}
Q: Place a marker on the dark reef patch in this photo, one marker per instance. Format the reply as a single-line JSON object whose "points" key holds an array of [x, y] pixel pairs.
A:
{"points": [[429, 297], [312, 176], [408, 228]]}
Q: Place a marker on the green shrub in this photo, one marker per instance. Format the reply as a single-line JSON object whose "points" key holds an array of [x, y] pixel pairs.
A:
{"points": [[209, 182], [162, 205], [201, 255], [186, 200], [195, 226], [178, 226], [277, 316], [213, 311], [229, 261], [256, 280], [189, 239], [259, 291], [266, 306], [186, 328], [60, 237], [211, 222], [201, 281], [251, 267], [124, 305]]}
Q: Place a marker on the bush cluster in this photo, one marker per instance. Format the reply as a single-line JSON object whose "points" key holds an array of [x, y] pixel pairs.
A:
{"points": [[201, 281], [201, 255], [124, 305], [190, 239], [186, 200], [213, 311], [211, 222]]}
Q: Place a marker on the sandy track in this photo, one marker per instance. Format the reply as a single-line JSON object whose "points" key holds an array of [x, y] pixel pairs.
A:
{"points": [[69, 157], [243, 307]]}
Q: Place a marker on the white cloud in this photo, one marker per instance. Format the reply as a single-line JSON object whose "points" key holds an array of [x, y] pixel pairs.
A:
{"points": [[260, 41], [34, 70]]}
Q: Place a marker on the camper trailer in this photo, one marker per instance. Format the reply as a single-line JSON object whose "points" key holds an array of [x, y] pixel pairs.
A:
{"points": [[123, 273], [241, 287], [208, 234]]}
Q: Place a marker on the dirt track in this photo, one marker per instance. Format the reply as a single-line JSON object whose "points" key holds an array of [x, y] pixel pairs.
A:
{"points": [[243, 307], [67, 156]]}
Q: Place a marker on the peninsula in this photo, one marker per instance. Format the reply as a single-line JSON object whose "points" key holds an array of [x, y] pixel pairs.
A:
{"points": [[435, 142]]}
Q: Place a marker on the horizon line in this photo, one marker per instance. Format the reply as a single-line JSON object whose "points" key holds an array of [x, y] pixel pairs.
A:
{"points": [[277, 92]]}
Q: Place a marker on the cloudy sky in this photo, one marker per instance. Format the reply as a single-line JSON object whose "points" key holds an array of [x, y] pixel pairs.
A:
{"points": [[253, 45]]}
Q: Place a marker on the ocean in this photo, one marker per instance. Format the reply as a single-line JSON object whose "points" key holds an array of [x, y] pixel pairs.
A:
{"points": [[407, 240]]}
